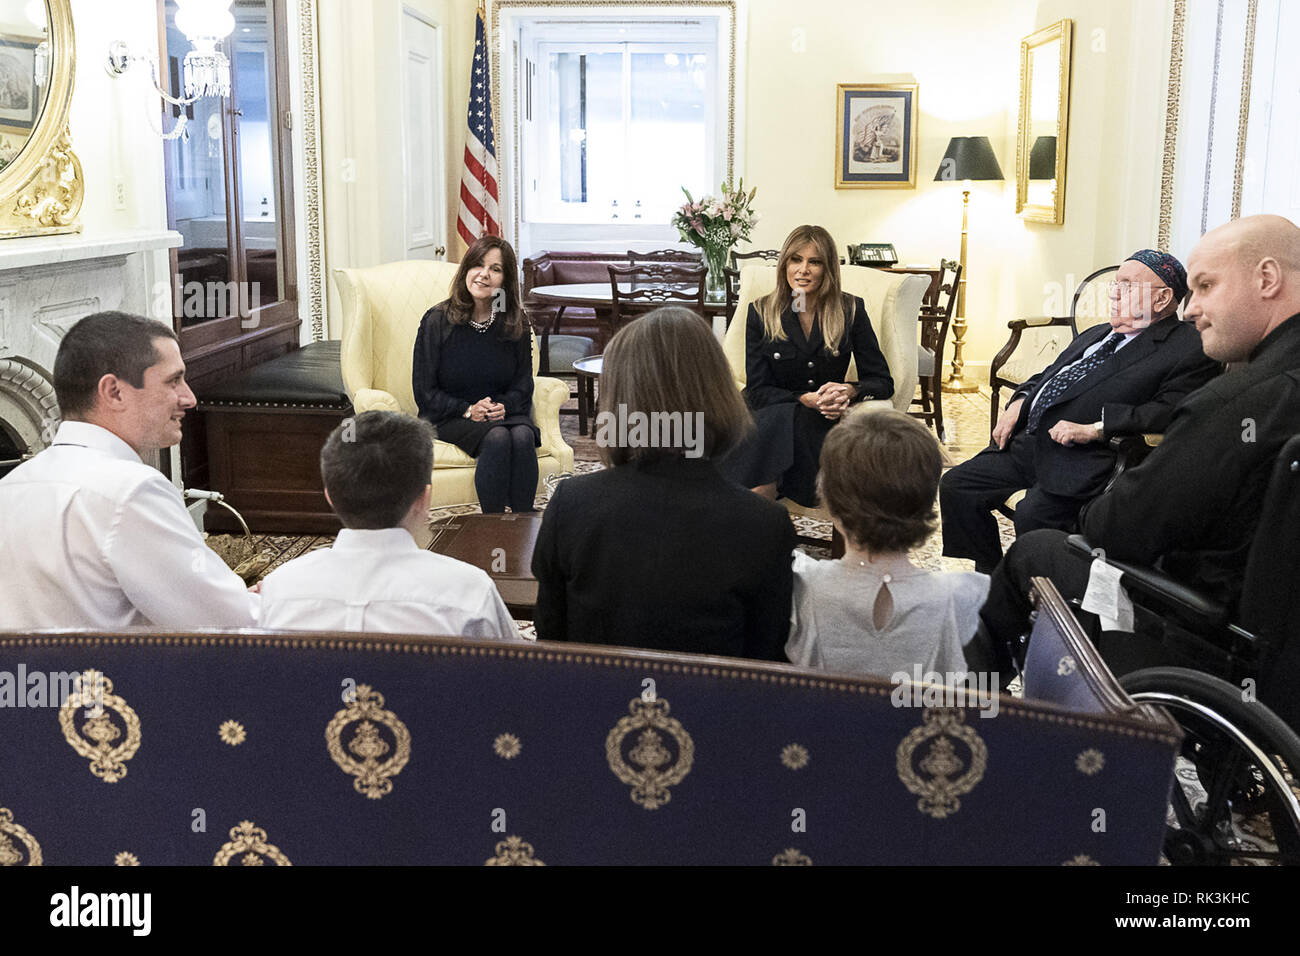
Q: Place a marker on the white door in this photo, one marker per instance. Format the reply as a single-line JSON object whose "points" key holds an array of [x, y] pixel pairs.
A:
{"points": [[423, 154]]}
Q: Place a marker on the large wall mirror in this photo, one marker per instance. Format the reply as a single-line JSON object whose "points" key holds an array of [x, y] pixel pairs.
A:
{"points": [[41, 186], [1041, 146]]}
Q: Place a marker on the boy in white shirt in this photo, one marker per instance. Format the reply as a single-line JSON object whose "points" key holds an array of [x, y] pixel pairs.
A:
{"points": [[376, 469]]}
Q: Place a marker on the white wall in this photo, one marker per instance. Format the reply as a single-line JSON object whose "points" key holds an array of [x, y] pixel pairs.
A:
{"points": [[965, 58], [1112, 200], [109, 119], [361, 123]]}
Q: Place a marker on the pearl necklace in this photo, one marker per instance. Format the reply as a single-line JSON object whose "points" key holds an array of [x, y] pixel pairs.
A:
{"points": [[481, 327]]}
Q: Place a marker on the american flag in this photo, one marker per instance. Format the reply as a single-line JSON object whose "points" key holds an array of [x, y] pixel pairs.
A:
{"points": [[479, 213]]}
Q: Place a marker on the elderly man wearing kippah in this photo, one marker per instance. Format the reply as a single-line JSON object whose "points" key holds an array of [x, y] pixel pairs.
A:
{"points": [[1124, 378]]}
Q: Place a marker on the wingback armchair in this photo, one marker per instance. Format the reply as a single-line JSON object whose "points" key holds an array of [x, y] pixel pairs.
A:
{"points": [[382, 308], [893, 304]]}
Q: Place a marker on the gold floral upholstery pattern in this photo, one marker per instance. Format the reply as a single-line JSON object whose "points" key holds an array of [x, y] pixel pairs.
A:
{"points": [[791, 857], [250, 840], [650, 767], [794, 756], [17, 846], [941, 760], [512, 851], [368, 756], [106, 742]]}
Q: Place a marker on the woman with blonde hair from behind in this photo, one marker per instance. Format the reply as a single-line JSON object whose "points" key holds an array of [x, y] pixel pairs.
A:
{"points": [[873, 611], [659, 550]]}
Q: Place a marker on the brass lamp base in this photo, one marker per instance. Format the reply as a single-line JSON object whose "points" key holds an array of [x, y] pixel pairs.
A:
{"points": [[959, 384], [957, 380]]}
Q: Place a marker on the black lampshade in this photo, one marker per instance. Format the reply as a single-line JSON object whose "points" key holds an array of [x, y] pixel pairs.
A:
{"points": [[968, 157], [1042, 158]]}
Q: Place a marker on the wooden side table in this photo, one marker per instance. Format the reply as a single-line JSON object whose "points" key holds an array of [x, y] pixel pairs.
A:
{"points": [[587, 371], [500, 544]]}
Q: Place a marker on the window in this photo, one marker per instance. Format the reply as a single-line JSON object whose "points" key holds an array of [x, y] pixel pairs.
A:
{"points": [[617, 116]]}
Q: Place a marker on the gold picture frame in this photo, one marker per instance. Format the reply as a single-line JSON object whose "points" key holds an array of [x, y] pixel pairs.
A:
{"points": [[875, 135], [1042, 142]]}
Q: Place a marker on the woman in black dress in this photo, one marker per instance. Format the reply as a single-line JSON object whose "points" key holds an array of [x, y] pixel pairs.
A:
{"points": [[798, 341], [473, 376], [659, 550]]}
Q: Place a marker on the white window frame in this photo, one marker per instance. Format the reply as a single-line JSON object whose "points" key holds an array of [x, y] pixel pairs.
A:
{"points": [[540, 163], [508, 18]]}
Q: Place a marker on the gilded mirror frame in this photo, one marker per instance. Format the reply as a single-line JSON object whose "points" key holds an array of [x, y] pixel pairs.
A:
{"points": [[41, 191], [1062, 30]]}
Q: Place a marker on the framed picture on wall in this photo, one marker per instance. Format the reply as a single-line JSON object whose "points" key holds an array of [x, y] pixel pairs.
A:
{"points": [[20, 97], [875, 136]]}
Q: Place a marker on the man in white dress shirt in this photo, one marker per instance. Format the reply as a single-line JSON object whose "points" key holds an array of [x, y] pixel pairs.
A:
{"points": [[91, 536], [376, 469]]}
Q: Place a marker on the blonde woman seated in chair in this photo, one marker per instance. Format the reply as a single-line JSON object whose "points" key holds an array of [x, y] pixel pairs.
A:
{"points": [[873, 611], [798, 342], [472, 376]]}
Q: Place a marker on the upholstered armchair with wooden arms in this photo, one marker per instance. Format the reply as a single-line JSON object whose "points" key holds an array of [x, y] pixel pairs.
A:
{"points": [[382, 308], [1035, 342], [893, 304]]}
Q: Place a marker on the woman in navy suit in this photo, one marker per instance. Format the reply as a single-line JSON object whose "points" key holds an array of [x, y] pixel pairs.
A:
{"points": [[798, 341]]}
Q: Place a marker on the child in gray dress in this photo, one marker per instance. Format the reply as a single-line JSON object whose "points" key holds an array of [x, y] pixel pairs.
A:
{"points": [[873, 611]]}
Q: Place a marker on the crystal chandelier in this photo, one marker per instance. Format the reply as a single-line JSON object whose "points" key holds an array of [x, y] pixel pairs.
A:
{"points": [[205, 23]]}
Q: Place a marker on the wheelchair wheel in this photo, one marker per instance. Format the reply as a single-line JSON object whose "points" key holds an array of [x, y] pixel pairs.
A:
{"points": [[1240, 755]]}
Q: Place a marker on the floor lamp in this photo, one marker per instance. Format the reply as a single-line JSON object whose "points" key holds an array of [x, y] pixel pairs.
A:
{"points": [[968, 158]]}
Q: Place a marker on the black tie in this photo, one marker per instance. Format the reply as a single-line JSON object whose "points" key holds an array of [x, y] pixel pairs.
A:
{"points": [[1063, 380]]}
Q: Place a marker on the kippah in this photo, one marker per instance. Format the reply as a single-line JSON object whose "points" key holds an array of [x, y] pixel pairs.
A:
{"points": [[1169, 269]]}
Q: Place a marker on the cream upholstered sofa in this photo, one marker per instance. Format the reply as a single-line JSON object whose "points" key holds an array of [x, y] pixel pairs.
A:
{"points": [[382, 308], [893, 302]]}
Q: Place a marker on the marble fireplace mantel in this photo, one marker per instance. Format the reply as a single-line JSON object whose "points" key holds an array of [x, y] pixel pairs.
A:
{"points": [[49, 283], [58, 250]]}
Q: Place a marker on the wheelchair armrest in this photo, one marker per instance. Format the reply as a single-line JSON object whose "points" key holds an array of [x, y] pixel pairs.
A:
{"points": [[1130, 451], [1157, 584]]}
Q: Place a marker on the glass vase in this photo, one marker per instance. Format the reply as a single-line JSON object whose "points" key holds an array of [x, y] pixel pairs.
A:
{"points": [[715, 282]]}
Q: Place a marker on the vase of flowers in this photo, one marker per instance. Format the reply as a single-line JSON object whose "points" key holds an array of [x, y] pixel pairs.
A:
{"points": [[715, 225]]}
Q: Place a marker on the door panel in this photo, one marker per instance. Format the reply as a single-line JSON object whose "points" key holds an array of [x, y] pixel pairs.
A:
{"points": [[423, 164]]}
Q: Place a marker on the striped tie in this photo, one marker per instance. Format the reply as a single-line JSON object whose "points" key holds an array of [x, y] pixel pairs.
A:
{"points": [[1063, 380]]}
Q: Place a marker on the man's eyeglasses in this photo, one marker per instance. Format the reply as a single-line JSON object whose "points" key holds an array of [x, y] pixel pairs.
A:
{"points": [[1124, 287]]}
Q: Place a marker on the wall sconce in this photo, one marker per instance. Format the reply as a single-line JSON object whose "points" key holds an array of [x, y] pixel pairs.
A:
{"points": [[205, 24]]}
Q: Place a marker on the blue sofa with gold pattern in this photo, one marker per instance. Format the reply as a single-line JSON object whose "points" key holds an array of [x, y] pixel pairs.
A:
{"points": [[265, 748]]}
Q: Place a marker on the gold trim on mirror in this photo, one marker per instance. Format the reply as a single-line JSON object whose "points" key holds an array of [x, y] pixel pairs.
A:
{"points": [[1063, 30], [41, 191]]}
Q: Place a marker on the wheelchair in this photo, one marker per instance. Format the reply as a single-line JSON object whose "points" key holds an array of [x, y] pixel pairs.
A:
{"points": [[1230, 679]]}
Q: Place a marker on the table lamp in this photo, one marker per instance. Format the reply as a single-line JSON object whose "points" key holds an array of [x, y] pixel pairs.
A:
{"points": [[1042, 158], [968, 158]]}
